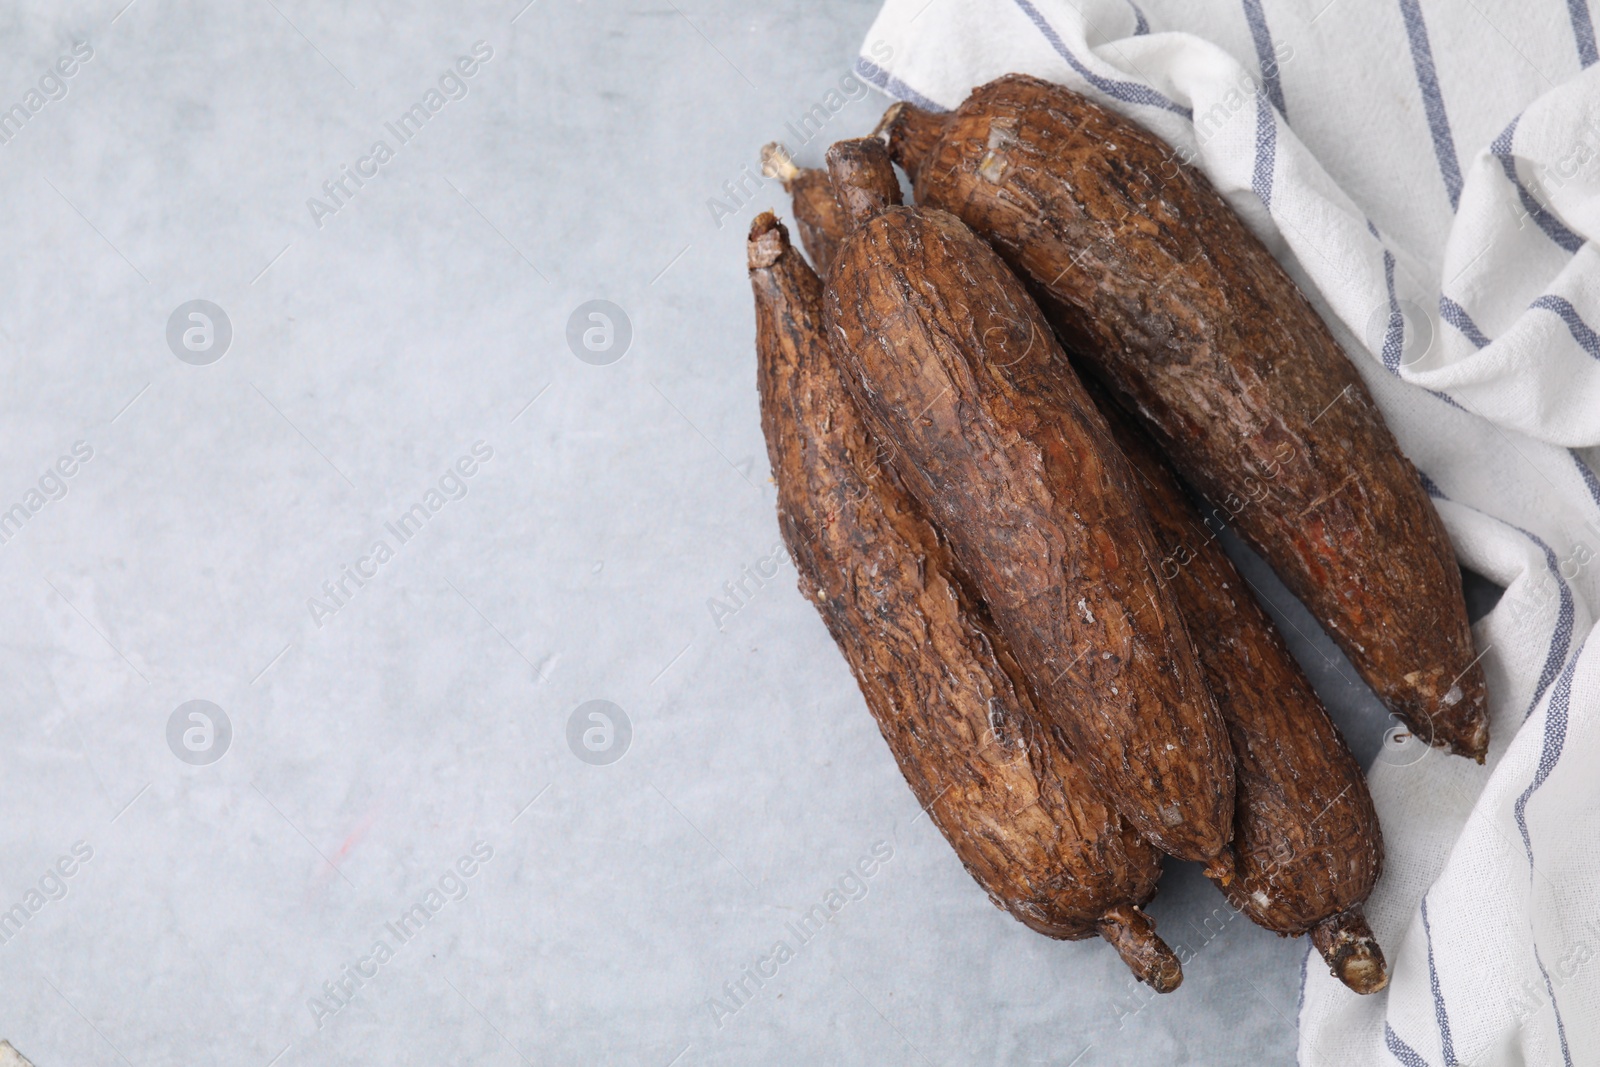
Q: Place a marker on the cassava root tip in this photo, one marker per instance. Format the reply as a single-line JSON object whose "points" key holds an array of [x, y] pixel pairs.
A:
{"points": [[884, 130], [1468, 738], [910, 134], [1220, 868], [768, 240], [1476, 745], [863, 178], [1133, 935], [776, 162], [1353, 955]]}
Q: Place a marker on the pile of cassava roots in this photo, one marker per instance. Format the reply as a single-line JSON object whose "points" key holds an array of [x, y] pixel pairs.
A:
{"points": [[996, 419]]}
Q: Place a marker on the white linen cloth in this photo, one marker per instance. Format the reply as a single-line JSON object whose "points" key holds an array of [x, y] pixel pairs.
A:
{"points": [[1428, 176]]}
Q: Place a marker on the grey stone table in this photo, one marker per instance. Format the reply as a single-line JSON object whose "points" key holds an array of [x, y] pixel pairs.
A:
{"points": [[332, 510]]}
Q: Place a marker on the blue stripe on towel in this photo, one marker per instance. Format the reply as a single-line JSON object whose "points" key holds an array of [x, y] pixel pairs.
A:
{"points": [[1141, 27], [1400, 1050], [894, 86], [1583, 31], [1266, 151], [1439, 1012], [1394, 335], [1590, 482], [1561, 640], [1394, 338], [1444, 145], [1457, 316], [1397, 321], [1553, 227], [1127, 92], [1561, 1027], [1265, 55], [1555, 739], [1581, 333]]}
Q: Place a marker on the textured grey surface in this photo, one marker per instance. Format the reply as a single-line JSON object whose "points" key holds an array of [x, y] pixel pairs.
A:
{"points": [[376, 743]]}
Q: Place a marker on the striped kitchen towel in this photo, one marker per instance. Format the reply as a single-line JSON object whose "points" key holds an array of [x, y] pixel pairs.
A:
{"points": [[1428, 174]]}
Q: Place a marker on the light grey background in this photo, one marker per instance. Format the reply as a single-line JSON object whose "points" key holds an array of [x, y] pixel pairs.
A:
{"points": [[430, 712]]}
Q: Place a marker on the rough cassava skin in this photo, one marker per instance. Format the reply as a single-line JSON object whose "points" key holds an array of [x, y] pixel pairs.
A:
{"points": [[1143, 268], [955, 369], [1306, 836], [1306, 843], [820, 219], [1024, 818]]}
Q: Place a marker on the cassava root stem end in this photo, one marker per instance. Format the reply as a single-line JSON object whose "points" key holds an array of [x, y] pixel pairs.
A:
{"points": [[910, 133], [1353, 955], [776, 162], [863, 178], [767, 241], [1220, 868], [1133, 935]]}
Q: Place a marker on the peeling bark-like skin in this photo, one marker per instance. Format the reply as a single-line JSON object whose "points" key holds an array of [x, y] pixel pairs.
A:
{"points": [[1143, 268], [818, 215], [956, 370], [1306, 843], [1022, 815]]}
